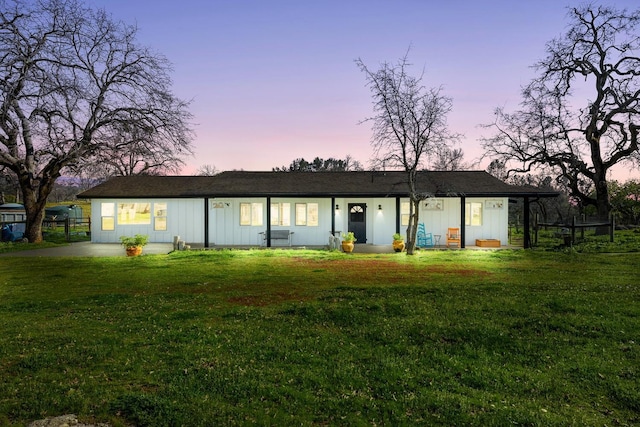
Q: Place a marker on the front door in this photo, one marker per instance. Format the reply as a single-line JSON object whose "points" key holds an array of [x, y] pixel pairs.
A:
{"points": [[358, 221]]}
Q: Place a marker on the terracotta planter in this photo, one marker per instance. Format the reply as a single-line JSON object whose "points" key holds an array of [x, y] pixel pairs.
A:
{"points": [[134, 251], [347, 246], [398, 245]]}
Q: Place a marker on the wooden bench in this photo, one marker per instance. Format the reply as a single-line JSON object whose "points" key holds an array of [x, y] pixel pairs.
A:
{"points": [[277, 235], [488, 243]]}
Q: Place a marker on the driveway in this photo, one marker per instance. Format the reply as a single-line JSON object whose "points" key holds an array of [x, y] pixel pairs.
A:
{"points": [[89, 249]]}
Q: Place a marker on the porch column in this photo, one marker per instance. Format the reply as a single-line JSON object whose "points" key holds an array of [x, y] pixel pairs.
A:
{"points": [[463, 202], [527, 233], [333, 216], [206, 222], [268, 233], [398, 214]]}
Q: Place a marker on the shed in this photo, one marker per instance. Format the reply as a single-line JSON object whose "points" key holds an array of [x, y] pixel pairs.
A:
{"points": [[10, 212]]}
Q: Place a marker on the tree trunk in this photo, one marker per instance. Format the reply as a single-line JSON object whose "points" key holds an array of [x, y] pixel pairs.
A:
{"points": [[603, 205], [33, 229], [34, 195], [412, 229]]}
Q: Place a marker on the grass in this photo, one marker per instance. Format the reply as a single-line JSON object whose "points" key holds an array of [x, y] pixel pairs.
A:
{"points": [[323, 338]]}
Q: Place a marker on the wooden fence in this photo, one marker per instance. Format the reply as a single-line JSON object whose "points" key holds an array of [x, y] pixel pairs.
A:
{"points": [[568, 231], [69, 224]]}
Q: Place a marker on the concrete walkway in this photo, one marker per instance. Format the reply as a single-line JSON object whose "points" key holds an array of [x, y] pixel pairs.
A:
{"points": [[89, 249]]}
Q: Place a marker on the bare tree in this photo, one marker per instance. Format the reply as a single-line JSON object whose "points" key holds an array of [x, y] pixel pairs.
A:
{"points": [[9, 189], [128, 150], [448, 159], [409, 123], [207, 170], [70, 79], [594, 65]]}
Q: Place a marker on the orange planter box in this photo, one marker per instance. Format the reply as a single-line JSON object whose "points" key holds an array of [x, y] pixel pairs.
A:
{"points": [[488, 243]]}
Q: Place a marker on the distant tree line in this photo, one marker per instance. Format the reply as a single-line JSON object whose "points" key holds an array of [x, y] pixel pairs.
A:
{"points": [[321, 165]]}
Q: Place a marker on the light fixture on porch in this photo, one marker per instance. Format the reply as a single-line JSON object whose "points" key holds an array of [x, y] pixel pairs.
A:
{"points": [[379, 207]]}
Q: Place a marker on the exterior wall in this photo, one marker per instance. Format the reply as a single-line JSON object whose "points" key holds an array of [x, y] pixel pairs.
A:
{"points": [[225, 228], [185, 218], [495, 219], [436, 221], [381, 223]]}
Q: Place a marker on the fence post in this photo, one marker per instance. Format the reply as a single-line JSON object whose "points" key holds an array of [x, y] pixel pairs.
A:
{"points": [[612, 226], [573, 231], [66, 229]]}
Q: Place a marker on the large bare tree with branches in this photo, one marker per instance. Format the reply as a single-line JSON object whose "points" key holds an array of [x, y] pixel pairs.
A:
{"points": [[129, 150], [409, 124], [70, 79], [581, 115]]}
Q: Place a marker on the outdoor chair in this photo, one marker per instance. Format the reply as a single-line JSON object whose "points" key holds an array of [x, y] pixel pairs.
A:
{"points": [[424, 239], [453, 236]]}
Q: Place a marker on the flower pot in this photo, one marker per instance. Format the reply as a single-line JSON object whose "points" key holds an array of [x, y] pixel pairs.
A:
{"points": [[347, 246], [398, 245], [134, 251]]}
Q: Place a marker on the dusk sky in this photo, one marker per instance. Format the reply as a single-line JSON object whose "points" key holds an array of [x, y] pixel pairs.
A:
{"points": [[273, 80]]}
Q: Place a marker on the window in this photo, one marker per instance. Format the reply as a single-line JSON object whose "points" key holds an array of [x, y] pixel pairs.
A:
{"points": [[251, 214], [473, 213], [134, 213], [108, 216], [404, 213], [307, 214], [281, 214], [160, 216]]}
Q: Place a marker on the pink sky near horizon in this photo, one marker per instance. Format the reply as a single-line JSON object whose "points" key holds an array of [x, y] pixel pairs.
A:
{"points": [[272, 81]]}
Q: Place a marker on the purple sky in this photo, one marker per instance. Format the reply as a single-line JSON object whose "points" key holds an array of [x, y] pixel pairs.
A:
{"points": [[274, 80]]}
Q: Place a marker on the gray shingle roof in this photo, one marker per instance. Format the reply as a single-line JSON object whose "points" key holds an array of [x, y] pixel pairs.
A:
{"points": [[310, 184]]}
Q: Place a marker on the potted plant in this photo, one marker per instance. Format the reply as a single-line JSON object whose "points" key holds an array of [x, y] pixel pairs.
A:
{"points": [[347, 241], [133, 245], [398, 242]]}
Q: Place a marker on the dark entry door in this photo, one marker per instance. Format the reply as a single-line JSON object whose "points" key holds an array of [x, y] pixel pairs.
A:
{"points": [[358, 221]]}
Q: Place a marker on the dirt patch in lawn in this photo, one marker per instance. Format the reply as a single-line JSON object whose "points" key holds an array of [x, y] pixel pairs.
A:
{"points": [[348, 272], [385, 267]]}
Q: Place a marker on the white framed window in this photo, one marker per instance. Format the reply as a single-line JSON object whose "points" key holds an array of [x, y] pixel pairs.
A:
{"points": [[107, 216], [160, 216], [473, 213], [281, 214], [307, 214], [251, 214], [134, 213], [404, 213]]}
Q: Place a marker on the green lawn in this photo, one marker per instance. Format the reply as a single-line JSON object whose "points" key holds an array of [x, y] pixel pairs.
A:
{"points": [[323, 338]]}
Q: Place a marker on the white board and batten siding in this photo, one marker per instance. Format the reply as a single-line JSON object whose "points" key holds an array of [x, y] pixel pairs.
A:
{"points": [[225, 228], [184, 217], [445, 213]]}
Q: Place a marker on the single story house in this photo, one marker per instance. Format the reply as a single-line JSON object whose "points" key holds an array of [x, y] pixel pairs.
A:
{"points": [[241, 208]]}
